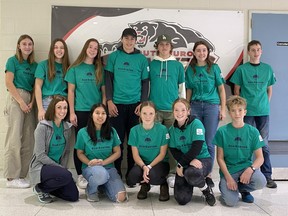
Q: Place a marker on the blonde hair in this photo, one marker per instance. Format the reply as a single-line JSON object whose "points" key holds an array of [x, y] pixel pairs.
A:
{"points": [[235, 100], [182, 100], [147, 103]]}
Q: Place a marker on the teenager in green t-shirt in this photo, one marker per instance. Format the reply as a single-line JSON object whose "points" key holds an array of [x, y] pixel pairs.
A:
{"points": [[50, 75], [253, 81], [149, 141], [236, 143], [205, 91], [188, 147], [97, 148], [19, 80], [85, 79]]}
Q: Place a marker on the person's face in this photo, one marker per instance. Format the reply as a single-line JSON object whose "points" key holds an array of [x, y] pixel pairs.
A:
{"points": [[237, 113], [92, 50], [164, 49], [61, 109], [201, 53], [180, 112], [26, 46], [59, 50], [255, 53], [147, 115], [128, 43], [99, 117]]}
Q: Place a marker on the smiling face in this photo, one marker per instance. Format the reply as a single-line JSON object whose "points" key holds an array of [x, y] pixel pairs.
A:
{"points": [[255, 52], [61, 109], [26, 46], [59, 50], [201, 53], [92, 50], [99, 117], [164, 49], [180, 112], [147, 115], [128, 43]]}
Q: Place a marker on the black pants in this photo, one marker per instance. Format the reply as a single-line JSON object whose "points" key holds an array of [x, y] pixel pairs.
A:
{"points": [[58, 181], [183, 188], [157, 174], [82, 118], [123, 123]]}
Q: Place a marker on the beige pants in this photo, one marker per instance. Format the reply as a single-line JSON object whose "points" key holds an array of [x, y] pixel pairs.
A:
{"points": [[19, 142]]}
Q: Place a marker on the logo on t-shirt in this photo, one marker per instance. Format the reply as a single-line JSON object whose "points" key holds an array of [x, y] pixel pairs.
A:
{"points": [[238, 139], [260, 138], [199, 131]]}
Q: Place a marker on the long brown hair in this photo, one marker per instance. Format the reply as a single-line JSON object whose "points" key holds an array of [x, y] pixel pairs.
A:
{"points": [[50, 113], [19, 55], [51, 59], [97, 60], [193, 62]]}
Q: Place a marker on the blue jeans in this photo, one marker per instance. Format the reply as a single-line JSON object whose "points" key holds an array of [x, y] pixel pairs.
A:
{"points": [[208, 114], [229, 197], [46, 101], [262, 124], [108, 179]]}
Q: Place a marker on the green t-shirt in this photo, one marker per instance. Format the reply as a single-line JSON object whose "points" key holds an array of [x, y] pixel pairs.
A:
{"points": [[253, 82], [57, 86], [204, 85], [238, 145], [183, 139], [149, 142], [165, 77], [128, 70], [101, 150], [57, 143], [23, 73], [87, 92]]}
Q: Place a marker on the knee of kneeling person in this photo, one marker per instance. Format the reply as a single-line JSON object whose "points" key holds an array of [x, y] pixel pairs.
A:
{"points": [[121, 196], [182, 200], [231, 201]]}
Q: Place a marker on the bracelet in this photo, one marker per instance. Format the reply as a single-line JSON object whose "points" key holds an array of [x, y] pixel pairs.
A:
{"points": [[143, 166], [149, 166]]}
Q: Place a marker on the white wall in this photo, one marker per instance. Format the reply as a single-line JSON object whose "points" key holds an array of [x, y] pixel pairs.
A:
{"points": [[33, 17]]}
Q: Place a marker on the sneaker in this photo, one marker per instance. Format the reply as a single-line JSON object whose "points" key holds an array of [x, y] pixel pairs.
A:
{"points": [[209, 196], [142, 194], [171, 180], [271, 184], [81, 182], [164, 192], [247, 197], [42, 197], [92, 197], [209, 182], [17, 183]]}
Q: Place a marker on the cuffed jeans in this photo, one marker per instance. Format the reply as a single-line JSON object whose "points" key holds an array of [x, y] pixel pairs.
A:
{"points": [[262, 124], [230, 197], [108, 179]]}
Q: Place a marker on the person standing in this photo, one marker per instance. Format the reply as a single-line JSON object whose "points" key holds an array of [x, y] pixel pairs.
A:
{"points": [[19, 80], [127, 85], [50, 75], [49, 165], [253, 81], [85, 79], [205, 90]]}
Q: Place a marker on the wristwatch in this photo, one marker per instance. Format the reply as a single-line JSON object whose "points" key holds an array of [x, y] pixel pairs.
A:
{"points": [[149, 166], [253, 168]]}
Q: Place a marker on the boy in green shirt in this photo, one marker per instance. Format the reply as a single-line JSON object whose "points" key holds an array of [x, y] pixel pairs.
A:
{"points": [[236, 143]]}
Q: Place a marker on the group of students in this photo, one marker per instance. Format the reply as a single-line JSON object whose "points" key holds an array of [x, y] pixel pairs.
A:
{"points": [[104, 105]]}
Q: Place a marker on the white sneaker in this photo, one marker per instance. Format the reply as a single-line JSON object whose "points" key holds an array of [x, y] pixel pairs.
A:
{"points": [[17, 183], [81, 182], [171, 180]]}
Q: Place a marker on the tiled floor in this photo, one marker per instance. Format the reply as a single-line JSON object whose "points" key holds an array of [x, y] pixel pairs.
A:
{"points": [[23, 202]]}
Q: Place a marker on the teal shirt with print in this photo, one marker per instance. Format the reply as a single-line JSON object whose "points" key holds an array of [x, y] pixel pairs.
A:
{"points": [[100, 150], [204, 85], [238, 145], [129, 70], [254, 81], [87, 92], [23, 73], [149, 142], [57, 86], [165, 77], [183, 139], [57, 143]]}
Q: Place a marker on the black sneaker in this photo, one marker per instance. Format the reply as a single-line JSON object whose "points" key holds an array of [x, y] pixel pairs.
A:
{"points": [[209, 182], [209, 196], [271, 184], [42, 197], [142, 194]]}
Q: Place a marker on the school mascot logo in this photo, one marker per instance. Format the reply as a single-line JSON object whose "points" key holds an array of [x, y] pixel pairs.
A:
{"points": [[182, 39]]}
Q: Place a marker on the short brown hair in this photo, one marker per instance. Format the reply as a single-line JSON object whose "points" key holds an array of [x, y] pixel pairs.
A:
{"points": [[236, 100], [253, 42], [50, 113]]}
